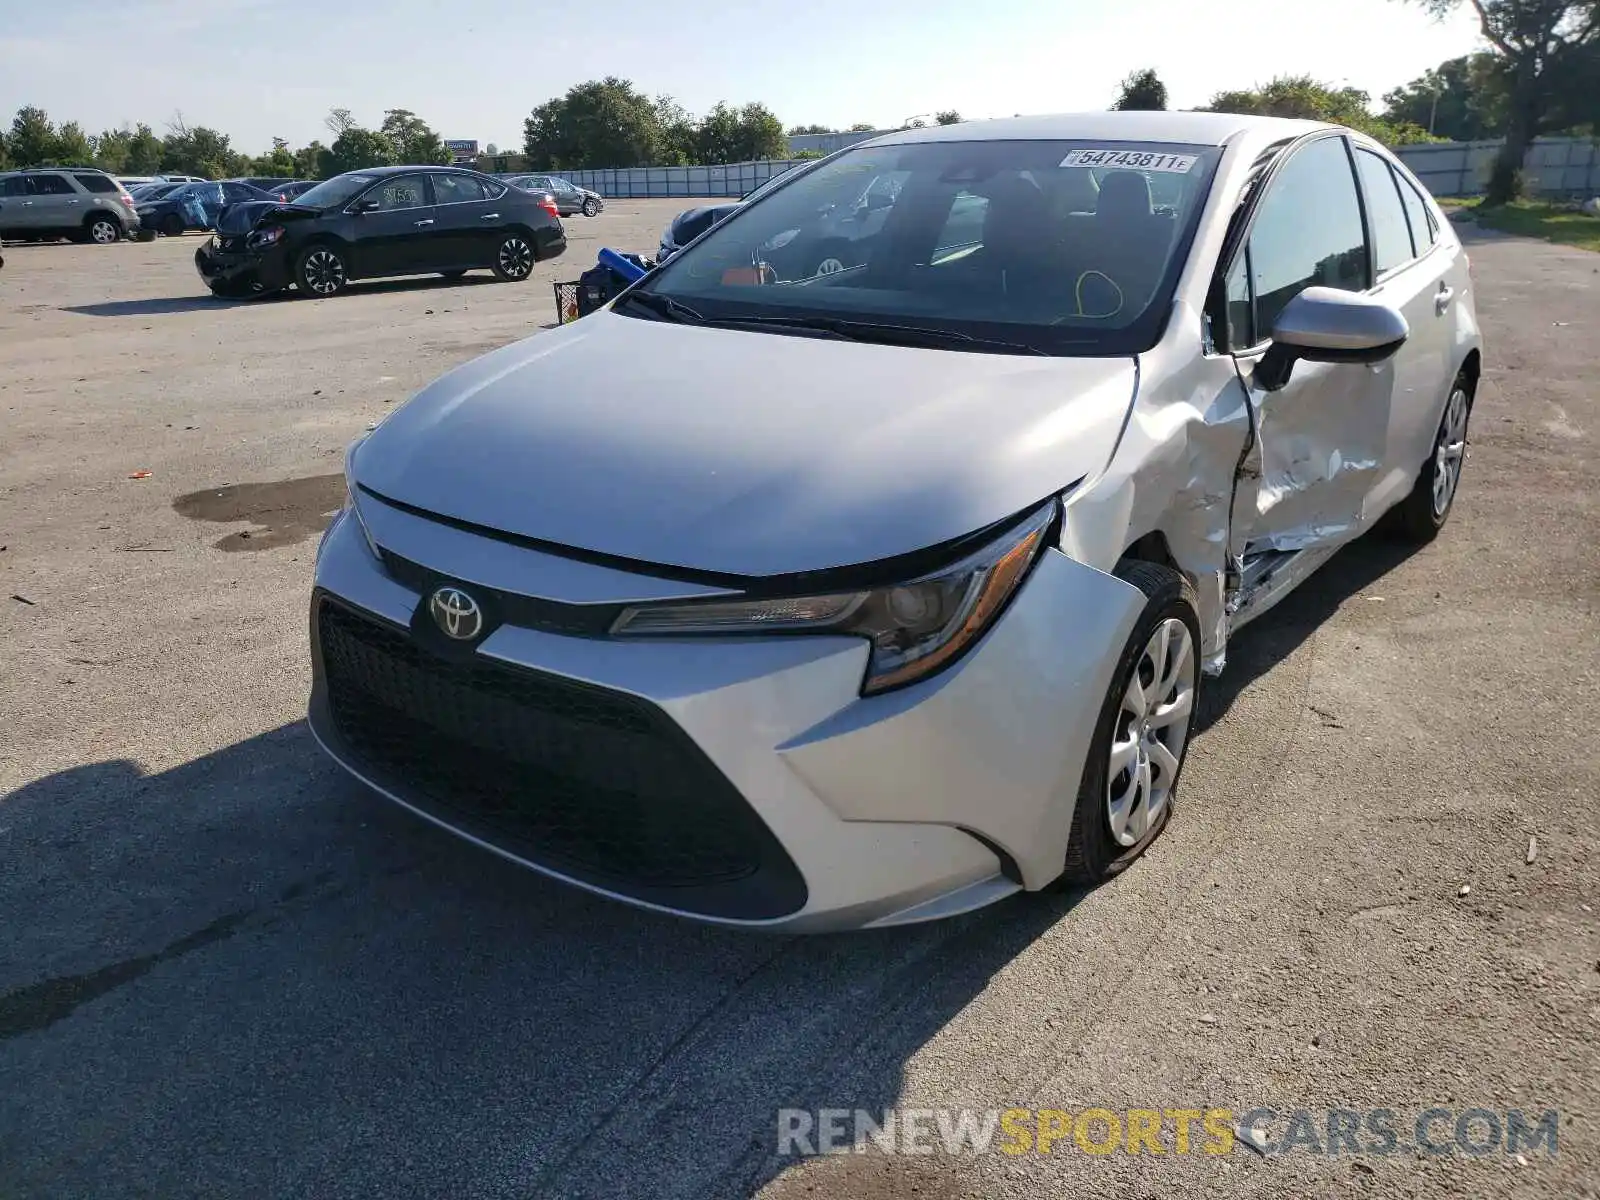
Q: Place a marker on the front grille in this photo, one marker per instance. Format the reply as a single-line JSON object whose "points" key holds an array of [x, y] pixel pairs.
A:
{"points": [[591, 782], [230, 244]]}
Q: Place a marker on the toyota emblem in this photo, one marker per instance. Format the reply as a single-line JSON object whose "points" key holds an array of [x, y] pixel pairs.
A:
{"points": [[456, 614]]}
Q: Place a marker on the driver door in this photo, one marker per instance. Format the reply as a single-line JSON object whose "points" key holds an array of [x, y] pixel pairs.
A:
{"points": [[401, 235], [1322, 438]]}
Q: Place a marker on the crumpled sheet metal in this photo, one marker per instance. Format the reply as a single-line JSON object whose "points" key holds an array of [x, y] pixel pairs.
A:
{"points": [[1172, 472], [1315, 462]]}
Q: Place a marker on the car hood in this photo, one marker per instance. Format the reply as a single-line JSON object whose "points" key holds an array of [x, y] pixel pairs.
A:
{"points": [[247, 214], [743, 453]]}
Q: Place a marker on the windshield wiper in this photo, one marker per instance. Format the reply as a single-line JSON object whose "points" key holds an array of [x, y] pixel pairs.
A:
{"points": [[665, 307], [887, 334]]}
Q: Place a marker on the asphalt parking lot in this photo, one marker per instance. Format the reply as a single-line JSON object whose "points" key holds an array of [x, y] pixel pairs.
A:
{"points": [[224, 970]]}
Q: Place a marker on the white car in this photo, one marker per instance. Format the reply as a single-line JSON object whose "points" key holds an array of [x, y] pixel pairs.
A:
{"points": [[878, 594]]}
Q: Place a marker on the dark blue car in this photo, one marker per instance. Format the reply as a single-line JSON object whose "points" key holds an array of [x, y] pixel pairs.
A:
{"points": [[196, 206]]}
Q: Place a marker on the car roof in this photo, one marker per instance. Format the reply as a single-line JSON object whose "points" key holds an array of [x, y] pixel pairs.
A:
{"points": [[1192, 128], [380, 172]]}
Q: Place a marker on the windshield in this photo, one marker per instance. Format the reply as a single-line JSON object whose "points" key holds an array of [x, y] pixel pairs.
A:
{"points": [[341, 189], [1069, 247]]}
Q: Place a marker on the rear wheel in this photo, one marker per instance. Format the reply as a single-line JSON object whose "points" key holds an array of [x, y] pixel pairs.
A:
{"points": [[320, 271], [1422, 514], [514, 257], [1129, 781], [172, 225], [103, 230]]}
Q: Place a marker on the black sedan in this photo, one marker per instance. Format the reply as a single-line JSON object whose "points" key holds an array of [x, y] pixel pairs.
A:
{"points": [[383, 222]]}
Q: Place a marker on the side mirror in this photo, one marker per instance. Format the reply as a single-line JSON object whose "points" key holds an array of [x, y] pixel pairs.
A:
{"points": [[366, 206], [1323, 324]]}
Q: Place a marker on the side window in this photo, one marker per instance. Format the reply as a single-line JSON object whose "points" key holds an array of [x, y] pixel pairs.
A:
{"points": [[1241, 313], [96, 183], [49, 185], [1423, 233], [964, 225], [1307, 232], [15, 185], [493, 191], [233, 193], [1386, 214], [456, 189], [403, 191]]}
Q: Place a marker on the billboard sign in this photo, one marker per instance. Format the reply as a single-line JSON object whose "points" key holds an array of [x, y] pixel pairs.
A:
{"points": [[462, 151]]}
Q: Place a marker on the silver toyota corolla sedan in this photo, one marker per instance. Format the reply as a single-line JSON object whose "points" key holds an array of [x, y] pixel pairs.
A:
{"points": [[819, 600]]}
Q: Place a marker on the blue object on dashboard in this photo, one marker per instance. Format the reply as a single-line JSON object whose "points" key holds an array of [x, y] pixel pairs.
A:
{"points": [[616, 262]]}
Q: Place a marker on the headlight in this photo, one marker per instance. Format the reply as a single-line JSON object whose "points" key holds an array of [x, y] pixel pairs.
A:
{"points": [[915, 628], [269, 236]]}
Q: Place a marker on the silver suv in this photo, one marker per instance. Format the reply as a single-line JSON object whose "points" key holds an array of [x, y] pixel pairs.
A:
{"points": [[77, 202]]}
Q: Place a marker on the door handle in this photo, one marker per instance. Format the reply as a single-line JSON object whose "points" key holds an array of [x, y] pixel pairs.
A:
{"points": [[1442, 298], [71, 201], [490, 217], [420, 224]]}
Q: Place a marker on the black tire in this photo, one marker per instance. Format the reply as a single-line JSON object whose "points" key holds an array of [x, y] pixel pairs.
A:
{"points": [[144, 235], [514, 257], [172, 225], [1422, 514], [320, 270], [1093, 853], [102, 229], [590, 207]]}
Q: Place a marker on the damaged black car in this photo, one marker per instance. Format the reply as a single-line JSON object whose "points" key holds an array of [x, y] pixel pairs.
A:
{"points": [[382, 222]]}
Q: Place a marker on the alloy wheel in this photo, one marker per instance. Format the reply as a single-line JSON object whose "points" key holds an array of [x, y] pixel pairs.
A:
{"points": [[516, 258], [829, 266], [1449, 451], [104, 232], [1151, 732], [324, 272]]}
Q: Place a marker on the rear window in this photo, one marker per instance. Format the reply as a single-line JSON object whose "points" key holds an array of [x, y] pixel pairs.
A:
{"points": [[97, 183], [1069, 246]]}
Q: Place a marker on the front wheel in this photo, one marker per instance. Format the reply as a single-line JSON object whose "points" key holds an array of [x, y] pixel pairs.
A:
{"points": [[514, 258], [1129, 781], [590, 207], [321, 271], [1422, 514]]}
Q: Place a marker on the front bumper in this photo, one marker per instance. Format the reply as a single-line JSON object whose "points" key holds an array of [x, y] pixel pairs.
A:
{"points": [[241, 272], [738, 781]]}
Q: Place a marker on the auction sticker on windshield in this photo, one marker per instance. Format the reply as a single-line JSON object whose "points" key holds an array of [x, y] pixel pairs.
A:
{"points": [[1133, 160]]}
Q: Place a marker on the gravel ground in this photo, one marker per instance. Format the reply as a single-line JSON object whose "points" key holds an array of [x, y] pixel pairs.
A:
{"points": [[226, 971]]}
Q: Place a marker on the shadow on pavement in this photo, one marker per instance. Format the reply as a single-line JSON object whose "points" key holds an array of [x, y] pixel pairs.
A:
{"points": [[1270, 638], [179, 304], [250, 972]]}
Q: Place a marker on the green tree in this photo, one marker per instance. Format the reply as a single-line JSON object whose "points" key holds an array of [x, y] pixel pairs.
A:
{"points": [[746, 134], [33, 138], [72, 146], [309, 161], [1462, 99], [800, 130], [111, 150], [278, 162], [356, 149], [413, 140], [144, 152], [199, 151], [5, 152], [1305, 98], [1551, 55], [338, 121], [862, 127], [602, 123], [948, 117], [676, 146], [1142, 91]]}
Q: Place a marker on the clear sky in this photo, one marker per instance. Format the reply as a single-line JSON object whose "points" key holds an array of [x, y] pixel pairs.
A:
{"points": [[474, 68]]}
